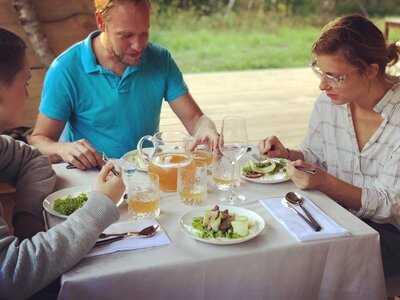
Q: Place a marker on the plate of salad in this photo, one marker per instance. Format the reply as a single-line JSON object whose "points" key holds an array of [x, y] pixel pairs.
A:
{"points": [[222, 225], [270, 170], [64, 202]]}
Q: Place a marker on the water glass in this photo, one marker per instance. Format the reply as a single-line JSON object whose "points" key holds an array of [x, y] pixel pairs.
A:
{"points": [[143, 196], [222, 174], [192, 183]]}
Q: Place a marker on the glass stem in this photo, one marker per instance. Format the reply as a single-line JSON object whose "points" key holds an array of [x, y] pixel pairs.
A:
{"points": [[231, 194]]}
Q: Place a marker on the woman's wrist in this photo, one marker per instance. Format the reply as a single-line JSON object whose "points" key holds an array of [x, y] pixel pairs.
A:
{"points": [[324, 181]]}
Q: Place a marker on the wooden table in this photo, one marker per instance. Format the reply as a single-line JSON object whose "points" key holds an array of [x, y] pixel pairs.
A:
{"points": [[395, 23]]}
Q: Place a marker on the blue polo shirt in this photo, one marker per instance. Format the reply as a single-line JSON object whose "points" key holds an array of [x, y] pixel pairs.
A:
{"points": [[112, 112]]}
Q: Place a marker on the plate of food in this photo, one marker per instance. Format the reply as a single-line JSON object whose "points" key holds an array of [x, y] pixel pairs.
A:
{"points": [[64, 202], [271, 170], [222, 225], [133, 158]]}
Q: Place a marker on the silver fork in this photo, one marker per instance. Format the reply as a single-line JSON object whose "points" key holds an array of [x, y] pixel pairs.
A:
{"points": [[115, 172]]}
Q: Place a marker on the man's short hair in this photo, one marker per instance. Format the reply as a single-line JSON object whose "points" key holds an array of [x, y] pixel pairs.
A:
{"points": [[12, 56], [103, 6]]}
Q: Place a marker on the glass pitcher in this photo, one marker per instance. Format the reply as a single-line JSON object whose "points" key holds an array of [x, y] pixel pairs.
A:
{"points": [[170, 152]]}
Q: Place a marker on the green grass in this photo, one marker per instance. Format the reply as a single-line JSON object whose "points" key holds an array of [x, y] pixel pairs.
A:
{"points": [[245, 42]]}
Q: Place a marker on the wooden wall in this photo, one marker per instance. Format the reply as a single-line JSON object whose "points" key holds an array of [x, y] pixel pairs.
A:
{"points": [[63, 22]]}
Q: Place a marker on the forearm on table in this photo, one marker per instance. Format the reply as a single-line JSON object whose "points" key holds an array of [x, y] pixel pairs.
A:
{"points": [[342, 192], [46, 146]]}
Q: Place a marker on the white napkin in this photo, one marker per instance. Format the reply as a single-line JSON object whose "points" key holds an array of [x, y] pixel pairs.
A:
{"points": [[296, 225], [132, 243]]}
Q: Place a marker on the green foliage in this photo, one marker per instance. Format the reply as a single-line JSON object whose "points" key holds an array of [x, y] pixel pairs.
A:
{"points": [[243, 40], [237, 42], [202, 7], [285, 7]]}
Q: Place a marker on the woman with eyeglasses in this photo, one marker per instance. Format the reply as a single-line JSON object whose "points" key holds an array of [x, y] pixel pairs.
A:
{"points": [[353, 140], [27, 265]]}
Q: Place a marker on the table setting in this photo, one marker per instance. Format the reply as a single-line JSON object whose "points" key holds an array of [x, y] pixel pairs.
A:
{"points": [[234, 237]]}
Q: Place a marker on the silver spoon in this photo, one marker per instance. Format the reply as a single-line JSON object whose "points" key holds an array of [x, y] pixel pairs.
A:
{"points": [[295, 199], [145, 232], [305, 219]]}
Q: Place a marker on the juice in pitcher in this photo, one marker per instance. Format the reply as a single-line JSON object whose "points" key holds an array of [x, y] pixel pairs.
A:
{"points": [[165, 165]]}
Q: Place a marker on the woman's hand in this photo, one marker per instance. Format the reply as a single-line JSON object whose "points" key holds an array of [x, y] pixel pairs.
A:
{"points": [[272, 147], [108, 184], [303, 180]]}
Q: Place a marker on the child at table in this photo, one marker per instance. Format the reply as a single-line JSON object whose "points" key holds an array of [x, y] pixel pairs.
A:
{"points": [[28, 265], [353, 140]]}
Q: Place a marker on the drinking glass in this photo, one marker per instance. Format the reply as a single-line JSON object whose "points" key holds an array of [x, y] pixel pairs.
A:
{"points": [[233, 144], [143, 196], [222, 173], [192, 183]]}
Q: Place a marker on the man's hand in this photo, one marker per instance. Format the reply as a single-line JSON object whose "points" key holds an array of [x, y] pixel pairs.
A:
{"points": [[205, 133], [108, 184], [302, 179], [80, 154]]}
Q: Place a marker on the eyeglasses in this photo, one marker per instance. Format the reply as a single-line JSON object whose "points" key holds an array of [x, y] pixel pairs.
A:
{"points": [[335, 81], [106, 7]]}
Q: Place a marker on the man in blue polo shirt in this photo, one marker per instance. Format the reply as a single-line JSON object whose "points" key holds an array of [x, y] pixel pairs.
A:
{"points": [[107, 90]]}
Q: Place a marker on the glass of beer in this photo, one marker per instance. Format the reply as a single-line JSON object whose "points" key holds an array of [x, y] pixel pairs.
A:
{"points": [[202, 155], [143, 196], [192, 183]]}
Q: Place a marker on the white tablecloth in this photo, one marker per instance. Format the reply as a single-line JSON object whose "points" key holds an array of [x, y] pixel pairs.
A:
{"points": [[272, 266]]}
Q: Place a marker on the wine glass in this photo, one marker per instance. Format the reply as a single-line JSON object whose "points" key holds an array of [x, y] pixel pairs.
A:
{"points": [[233, 144]]}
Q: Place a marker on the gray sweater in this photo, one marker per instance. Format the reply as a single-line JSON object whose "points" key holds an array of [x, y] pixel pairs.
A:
{"points": [[29, 265]]}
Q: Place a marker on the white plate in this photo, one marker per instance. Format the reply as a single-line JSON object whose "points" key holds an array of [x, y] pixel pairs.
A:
{"points": [[259, 224], [132, 157], [276, 178], [73, 191]]}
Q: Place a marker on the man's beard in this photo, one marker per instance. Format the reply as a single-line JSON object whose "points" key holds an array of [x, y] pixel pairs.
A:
{"points": [[121, 60]]}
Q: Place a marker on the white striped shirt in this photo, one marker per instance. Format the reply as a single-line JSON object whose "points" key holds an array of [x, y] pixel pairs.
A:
{"points": [[331, 143]]}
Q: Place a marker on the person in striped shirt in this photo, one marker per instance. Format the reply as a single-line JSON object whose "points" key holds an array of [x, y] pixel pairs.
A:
{"points": [[353, 139]]}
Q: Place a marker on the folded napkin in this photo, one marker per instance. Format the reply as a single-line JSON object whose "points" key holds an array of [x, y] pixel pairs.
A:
{"points": [[131, 243], [296, 225]]}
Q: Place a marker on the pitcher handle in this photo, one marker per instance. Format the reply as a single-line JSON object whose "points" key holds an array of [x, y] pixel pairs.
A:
{"points": [[145, 158]]}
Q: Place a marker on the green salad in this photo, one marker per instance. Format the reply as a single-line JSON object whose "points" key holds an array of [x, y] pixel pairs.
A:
{"points": [[221, 224], [267, 167], [67, 205]]}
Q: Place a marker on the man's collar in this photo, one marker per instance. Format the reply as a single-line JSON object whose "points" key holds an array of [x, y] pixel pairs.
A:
{"points": [[89, 60]]}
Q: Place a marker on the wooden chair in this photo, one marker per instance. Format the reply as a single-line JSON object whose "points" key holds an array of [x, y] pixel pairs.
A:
{"points": [[7, 199]]}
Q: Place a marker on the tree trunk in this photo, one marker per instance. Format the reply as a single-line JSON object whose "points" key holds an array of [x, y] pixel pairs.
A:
{"points": [[363, 9], [31, 25], [229, 7]]}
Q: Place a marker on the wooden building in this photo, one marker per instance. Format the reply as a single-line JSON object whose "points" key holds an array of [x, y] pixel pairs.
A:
{"points": [[61, 22]]}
